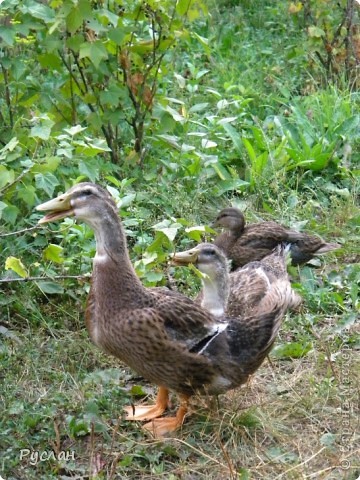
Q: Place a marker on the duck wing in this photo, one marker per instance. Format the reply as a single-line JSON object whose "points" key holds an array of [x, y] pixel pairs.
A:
{"points": [[304, 247], [248, 286], [240, 350], [185, 322], [265, 235], [170, 335]]}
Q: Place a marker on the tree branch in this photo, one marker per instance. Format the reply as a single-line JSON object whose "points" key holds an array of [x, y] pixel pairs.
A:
{"points": [[56, 277], [20, 231], [7, 95], [15, 181]]}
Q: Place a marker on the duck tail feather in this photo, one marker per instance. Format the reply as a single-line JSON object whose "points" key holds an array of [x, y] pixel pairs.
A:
{"points": [[327, 247]]}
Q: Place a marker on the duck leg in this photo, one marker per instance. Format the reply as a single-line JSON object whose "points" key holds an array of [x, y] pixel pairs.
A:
{"points": [[148, 412], [159, 427]]}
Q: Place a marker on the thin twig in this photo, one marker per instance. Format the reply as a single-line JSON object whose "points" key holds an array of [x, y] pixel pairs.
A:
{"points": [[327, 352], [30, 229], [86, 276], [227, 457], [295, 467], [200, 452], [7, 95], [17, 179]]}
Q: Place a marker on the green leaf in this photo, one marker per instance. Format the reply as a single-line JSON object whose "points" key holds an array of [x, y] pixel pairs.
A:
{"points": [[74, 130], [7, 35], [9, 147], [82, 11], [243, 474], [328, 439], [50, 165], [110, 16], [75, 42], [117, 35], [46, 182], [278, 455], [15, 408], [175, 114], [206, 143], [50, 287], [154, 277], [170, 140], [346, 322], [91, 146], [137, 391], [54, 253], [199, 107], [204, 42], [89, 170], [348, 126], [27, 193], [291, 350], [6, 176], [41, 131], [104, 377], [221, 171], [50, 60], [225, 120], [148, 257], [233, 184], [250, 150], [316, 32], [95, 51], [182, 6], [234, 136], [16, 265], [74, 20], [10, 334], [39, 10], [196, 233], [126, 200], [126, 461], [10, 214], [170, 233], [3, 205]]}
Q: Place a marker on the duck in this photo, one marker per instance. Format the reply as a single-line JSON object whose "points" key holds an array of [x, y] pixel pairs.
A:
{"points": [[246, 243], [249, 290], [162, 335]]}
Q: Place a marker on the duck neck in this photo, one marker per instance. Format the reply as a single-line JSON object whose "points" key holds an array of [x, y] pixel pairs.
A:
{"points": [[237, 230], [110, 239], [215, 294], [113, 273]]}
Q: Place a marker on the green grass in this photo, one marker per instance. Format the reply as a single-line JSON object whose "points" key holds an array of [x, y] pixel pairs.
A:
{"points": [[289, 422], [298, 417]]}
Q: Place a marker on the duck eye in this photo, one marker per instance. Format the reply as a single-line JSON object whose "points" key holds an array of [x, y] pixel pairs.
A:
{"points": [[87, 193]]}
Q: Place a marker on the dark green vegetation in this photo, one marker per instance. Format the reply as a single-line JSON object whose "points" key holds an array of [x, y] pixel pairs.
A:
{"points": [[250, 103]]}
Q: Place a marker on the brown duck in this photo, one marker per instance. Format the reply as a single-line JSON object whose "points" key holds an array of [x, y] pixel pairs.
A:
{"points": [[162, 335], [248, 290], [246, 243]]}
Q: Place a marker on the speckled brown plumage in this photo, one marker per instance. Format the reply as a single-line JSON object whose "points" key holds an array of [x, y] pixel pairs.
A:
{"points": [[162, 335], [249, 290], [246, 243], [253, 286], [254, 300]]}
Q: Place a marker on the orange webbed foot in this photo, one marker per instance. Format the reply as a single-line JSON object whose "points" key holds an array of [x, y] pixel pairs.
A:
{"points": [[148, 412], [159, 427]]}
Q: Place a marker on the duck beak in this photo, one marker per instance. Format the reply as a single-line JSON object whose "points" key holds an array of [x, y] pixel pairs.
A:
{"points": [[59, 207], [186, 257]]}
